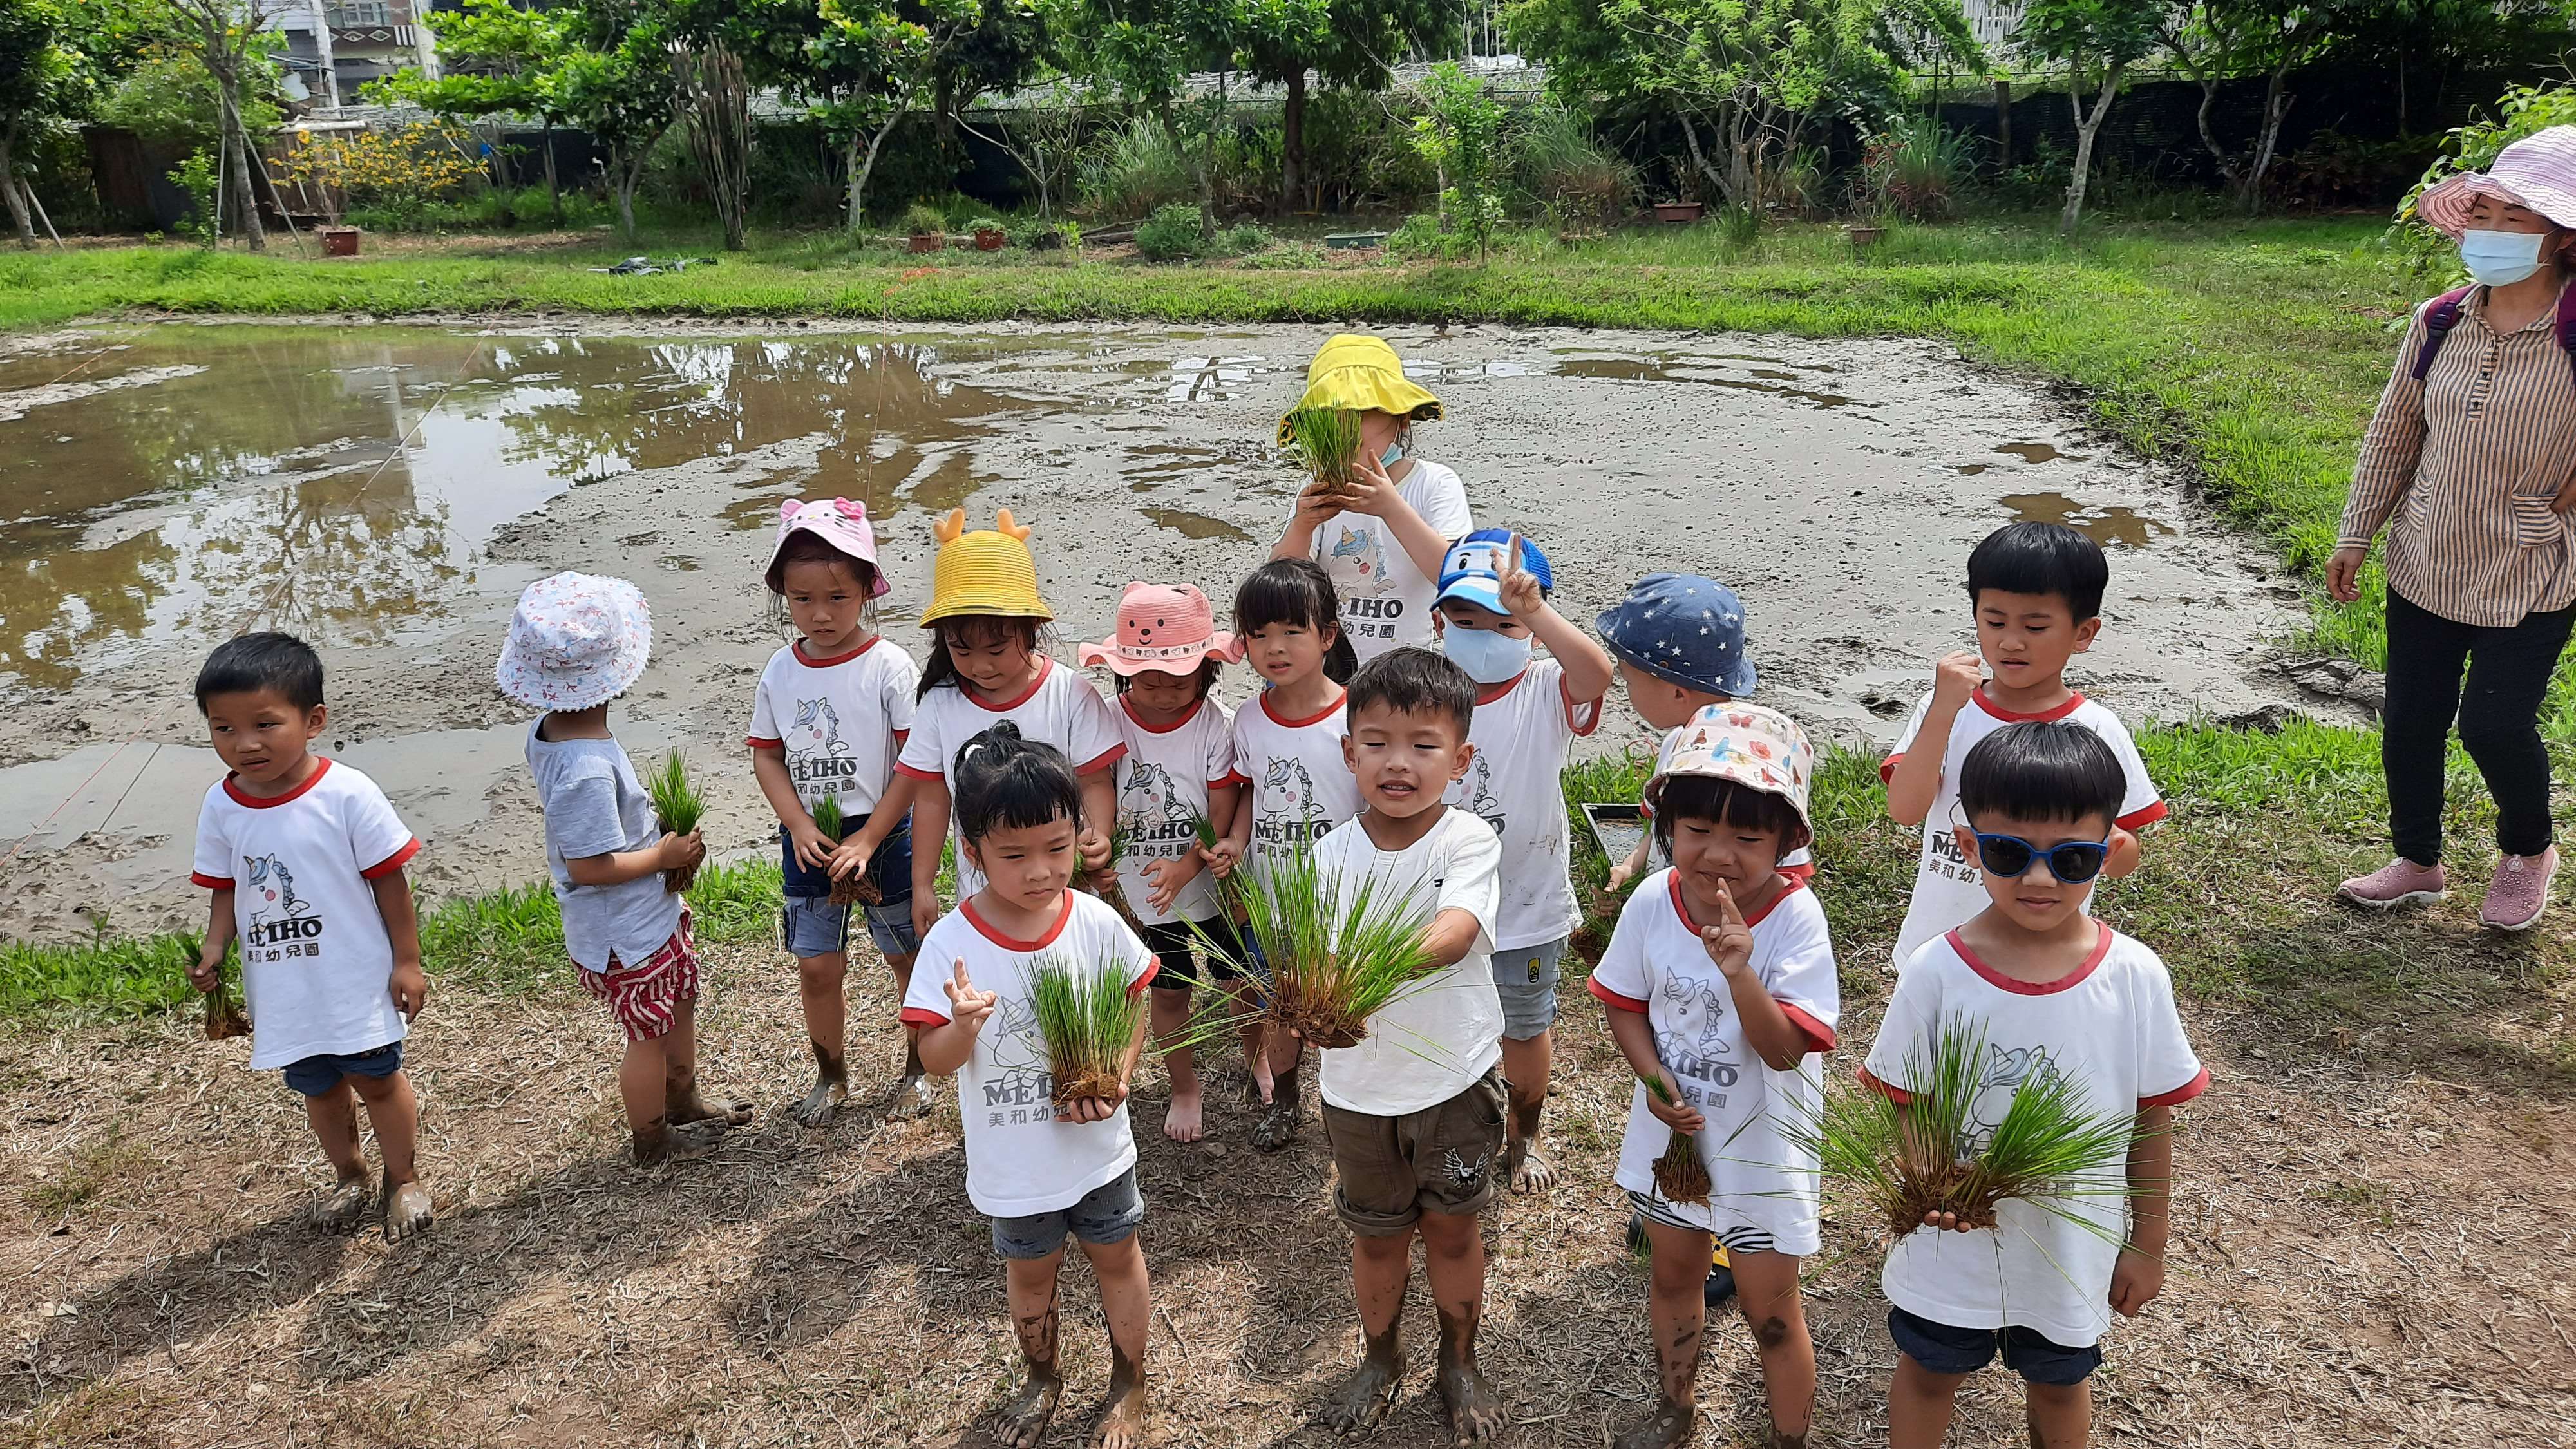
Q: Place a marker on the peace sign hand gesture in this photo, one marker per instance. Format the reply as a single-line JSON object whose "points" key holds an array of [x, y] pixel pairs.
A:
{"points": [[967, 1007], [1730, 941], [1522, 597]]}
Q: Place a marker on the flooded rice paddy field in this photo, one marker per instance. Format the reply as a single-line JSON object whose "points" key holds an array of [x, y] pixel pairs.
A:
{"points": [[387, 490]]}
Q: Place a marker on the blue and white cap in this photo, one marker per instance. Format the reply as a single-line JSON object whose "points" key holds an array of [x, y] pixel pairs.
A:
{"points": [[1683, 629], [1473, 570]]}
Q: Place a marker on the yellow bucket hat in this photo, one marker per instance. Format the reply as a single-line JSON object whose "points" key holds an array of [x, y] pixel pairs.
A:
{"points": [[988, 571], [1359, 372]]}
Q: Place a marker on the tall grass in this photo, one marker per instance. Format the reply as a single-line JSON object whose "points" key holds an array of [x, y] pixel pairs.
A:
{"points": [[1089, 1018], [1334, 962], [1327, 444]]}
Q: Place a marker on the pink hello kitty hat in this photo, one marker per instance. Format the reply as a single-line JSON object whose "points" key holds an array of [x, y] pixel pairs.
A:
{"points": [[1170, 627], [838, 522]]}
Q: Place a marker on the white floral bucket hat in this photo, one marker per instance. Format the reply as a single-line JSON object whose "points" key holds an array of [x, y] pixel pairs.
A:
{"points": [[576, 640], [1746, 744]]}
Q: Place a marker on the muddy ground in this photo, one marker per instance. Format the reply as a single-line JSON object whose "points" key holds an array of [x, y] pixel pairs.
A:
{"points": [[1838, 486], [2359, 1257]]}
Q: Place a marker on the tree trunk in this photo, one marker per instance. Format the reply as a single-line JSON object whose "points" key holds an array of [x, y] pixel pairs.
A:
{"points": [[2003, 127], [1292, 142], [554, 184], [1699, 158], [868, 164], [2086, 128], [851, 181], [245, 206], [2276, 109], [2227, 168], [626, 165], [18, 216]]}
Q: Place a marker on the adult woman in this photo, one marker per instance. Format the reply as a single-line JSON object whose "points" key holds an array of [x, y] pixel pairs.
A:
{"points": [[1381, 543], [2474, 456]]}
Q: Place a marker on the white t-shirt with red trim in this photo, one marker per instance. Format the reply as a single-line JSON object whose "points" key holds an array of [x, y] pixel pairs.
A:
{"points": [[1060, 708], [1948, 887], [1523, 732], [2111, 1026], [1164, 781], [837, 721], [1799, 864], [1022, 1157], [317, 965], [1386, 600], [1437, 1037], [1766, 1187], [1298, 785]]}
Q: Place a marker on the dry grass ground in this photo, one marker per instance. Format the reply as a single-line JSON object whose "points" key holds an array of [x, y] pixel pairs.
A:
{"points": [[2369, 1248]]}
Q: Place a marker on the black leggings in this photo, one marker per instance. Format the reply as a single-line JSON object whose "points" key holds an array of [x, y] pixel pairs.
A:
{"points": [[2508, 677]]}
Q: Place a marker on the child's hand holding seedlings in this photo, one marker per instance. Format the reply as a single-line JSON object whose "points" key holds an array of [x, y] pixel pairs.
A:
{"points": [[1096, 1109], [207, 971], [814, 849], [1222, 857], [1165, 879], [848, 858], [680, 852], [1094, 848], [1664, 1099], [1371, 491]]}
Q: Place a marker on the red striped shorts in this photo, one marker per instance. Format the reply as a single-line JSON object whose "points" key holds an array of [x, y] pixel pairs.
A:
{"points": [[646, 998]]}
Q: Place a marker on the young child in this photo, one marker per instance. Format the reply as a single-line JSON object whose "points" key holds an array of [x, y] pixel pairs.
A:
{"points": [[1492, 608], [1178, 771], [2052, 991], [305, 858], [1288, 747], [987, 665], [577, 642], [1382, 540], [1679, 642], [1415, 1111], [1039, 1171], [2037, 592], [1721, 987], [830, 714]]}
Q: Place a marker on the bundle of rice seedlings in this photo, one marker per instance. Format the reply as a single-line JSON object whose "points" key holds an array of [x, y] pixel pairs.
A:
{"points": [[857, 889], [1930, 1154], [1680, 1176], [1328, 443], [677, 806], [1088, 1018], [224, 1016], [1332, 966]]}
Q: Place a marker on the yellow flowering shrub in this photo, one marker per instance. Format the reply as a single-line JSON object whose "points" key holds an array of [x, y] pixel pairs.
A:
{"points": [[399, 168]]}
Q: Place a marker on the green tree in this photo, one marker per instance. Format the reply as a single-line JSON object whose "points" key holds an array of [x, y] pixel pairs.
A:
{"points": [[2214, 40], [498, 60], [228, 38], [33, 71], [1143, 52], [870, 64], [2096, 41], [1346, 43], [615, 83], [1461, 133]]}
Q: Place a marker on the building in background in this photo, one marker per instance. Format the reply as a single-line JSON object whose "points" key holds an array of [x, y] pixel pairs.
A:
{"points": [[337, 46]]}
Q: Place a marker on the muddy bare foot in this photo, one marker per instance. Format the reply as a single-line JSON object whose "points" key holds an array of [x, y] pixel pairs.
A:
{"points": [[696, 1111], [1278, 1126], [407, 1211], [1671, 1424], [1025, 1418], [346, 1203], [1525, 1170], [1182, 1123], [1122, 1424], [1362, 1400], [1475, 1412], [817, 1108], [912, 1097]]}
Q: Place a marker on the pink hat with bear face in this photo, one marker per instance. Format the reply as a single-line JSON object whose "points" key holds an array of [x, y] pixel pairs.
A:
{"points": [[1170, 627]]}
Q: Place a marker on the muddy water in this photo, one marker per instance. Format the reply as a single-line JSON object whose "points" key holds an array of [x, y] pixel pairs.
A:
{"points": [[387, 491]]}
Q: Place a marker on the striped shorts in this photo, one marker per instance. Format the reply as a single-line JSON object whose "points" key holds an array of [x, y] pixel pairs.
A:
{"points": [[1737, 1237], [646, 997]]}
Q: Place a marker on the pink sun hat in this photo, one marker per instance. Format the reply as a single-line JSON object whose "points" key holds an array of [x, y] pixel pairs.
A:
{"points": [[576, 640], [2538, 171], [838, 522], [1170, 627]]}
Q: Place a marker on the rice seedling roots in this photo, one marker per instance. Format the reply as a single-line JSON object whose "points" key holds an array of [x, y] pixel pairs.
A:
{"points": [[1102, 1085], [1680, 1176], [856, 890]]}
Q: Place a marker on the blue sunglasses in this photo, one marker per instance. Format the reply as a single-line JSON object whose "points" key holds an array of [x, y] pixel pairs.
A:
{"points": [[2010, 856]]}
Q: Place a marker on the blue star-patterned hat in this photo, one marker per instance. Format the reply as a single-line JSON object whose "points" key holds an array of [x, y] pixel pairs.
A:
{"points": [[1683, 629]]}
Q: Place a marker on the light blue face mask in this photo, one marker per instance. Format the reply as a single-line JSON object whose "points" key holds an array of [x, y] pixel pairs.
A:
{"points": [[2500, 258], [1489, 656], [1393, 455]]}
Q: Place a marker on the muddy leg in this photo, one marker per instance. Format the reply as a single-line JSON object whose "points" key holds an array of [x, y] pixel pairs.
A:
{"points": [[818, 984], [334, 1118], [1279, 1125], [1380, 1268], [394, 1112], [1453, 1259], [2061, 1415], [1526, 1065], [643, 1081], [1768, 1285], [1677, 1316], [911, 1089], [1029, 1283], [1126, 1300], [680, 1084]]}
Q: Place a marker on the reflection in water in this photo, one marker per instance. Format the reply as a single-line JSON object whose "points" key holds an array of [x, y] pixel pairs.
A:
{"points": [[1195, 525], [1691, 369], [2109, 527], [2037, 452]]}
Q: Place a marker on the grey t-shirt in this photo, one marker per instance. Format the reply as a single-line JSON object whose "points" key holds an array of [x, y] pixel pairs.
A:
{"points": [[595, 806]]}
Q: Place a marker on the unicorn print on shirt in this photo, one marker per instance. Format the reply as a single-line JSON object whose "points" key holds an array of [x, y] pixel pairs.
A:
{"points": [[818, 760]]}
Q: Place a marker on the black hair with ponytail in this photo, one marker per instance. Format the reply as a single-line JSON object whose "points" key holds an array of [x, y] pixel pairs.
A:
{"points": [[1297, 591], [1003, 782]]}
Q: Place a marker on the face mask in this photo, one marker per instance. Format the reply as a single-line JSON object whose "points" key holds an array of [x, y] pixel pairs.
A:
{"points": [[1393, 455], [1488, 656], [2500, 258]]}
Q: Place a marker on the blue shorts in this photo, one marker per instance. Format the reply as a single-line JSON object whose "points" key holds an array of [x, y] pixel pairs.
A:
{"points": [[1946, 1350], [889, 870], [813, 926], [1107, 1214], [1525, 978], [319, 1075]]}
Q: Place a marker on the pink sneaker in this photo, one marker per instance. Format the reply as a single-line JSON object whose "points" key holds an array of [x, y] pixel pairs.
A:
{"points": [[2520, 891], [2401, 882]]}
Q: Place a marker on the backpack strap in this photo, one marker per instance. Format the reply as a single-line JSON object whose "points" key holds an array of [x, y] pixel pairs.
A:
{"points": [[2567, 325], [2444, 314]]}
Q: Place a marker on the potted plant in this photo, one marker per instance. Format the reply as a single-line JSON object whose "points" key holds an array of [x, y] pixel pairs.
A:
{"points": [[989, 234], [926, 226], [1681, 212], [1865, 233]]}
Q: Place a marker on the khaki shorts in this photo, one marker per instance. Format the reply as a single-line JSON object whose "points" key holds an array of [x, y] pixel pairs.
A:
{"points": [[1440, 1159]]}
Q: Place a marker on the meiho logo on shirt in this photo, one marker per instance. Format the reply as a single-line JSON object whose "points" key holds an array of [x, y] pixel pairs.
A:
{"points": [[282, 924], [1945, 856], [1287, 813], [1482, 803], [1693, 1043], [1151, 813]]}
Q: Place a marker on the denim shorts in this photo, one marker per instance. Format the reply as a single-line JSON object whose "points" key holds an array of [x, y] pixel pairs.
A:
{"points": [[813, 926], [318, 1075], [1525, 977], [889, 870], [1107, 1214], [1946, 1350]]}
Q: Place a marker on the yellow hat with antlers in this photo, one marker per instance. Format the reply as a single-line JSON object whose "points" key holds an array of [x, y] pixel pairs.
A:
{"points": [[988, 571]]}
